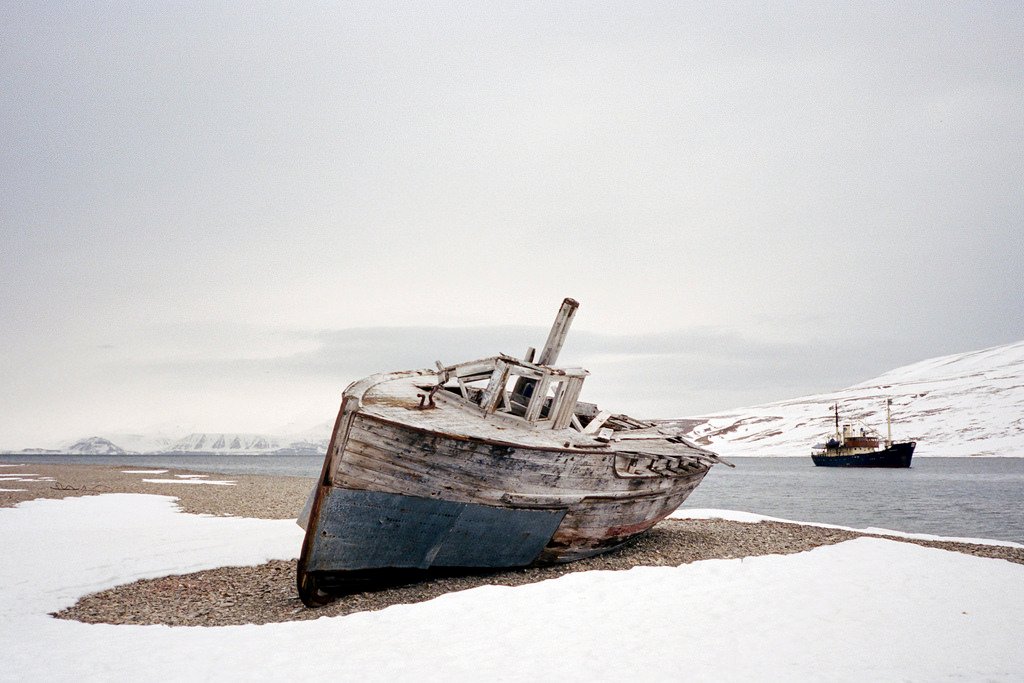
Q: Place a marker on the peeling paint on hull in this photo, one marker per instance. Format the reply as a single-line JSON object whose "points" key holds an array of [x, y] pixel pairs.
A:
{"points": [[369, 529]]}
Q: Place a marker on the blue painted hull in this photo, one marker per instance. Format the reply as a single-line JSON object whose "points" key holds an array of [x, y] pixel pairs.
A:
{"points": [[371, 529], [897, 455]]}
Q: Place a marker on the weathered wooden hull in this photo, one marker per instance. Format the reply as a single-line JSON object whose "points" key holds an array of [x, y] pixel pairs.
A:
{"points": [[396, 501], [897, 455]]}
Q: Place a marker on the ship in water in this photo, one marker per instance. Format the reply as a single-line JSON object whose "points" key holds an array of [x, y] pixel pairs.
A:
{"points": [[482, 465], [861, 448]]}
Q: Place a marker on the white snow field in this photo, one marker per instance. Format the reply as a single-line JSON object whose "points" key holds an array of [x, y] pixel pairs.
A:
{"points": [[867, 609], [961, 405]]}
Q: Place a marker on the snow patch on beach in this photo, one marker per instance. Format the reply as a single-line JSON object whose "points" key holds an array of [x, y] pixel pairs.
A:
{"points": [[192, 479], [24, 476], [215, 482], [921, 613]]}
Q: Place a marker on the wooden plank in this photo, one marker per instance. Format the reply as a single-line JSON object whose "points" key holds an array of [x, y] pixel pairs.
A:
{"points": [[559, 331], [556, 400], [567, 405], [481, 466], [495, 387], [385, 457], [477, 367], [594, 426], [540, 393]]}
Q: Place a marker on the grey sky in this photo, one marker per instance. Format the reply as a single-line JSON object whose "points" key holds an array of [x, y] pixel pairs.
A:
{"points": [[212, 214]]}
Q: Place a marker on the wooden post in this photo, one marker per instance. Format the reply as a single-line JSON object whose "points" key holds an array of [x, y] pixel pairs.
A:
{"points": [[540, 393], [559, 331], [521, 393], [495, 390]]}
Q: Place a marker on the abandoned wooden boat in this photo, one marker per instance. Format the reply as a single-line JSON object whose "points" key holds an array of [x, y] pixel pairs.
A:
{"points": [[486, 464], [848, 448]]}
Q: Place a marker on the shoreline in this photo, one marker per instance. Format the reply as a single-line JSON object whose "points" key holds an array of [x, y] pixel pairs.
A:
{"points": [[247, 495], [266, 593]]}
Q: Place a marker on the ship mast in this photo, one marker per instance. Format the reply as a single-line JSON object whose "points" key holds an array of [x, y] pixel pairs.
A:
{"points": [[888, 422], [559, 331], [836, 408], [523, 389]]}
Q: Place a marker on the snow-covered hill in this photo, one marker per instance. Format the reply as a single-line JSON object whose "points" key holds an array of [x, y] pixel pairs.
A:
{"points": [[239, 443], [960, 405], [94, 445], [196, 442]]}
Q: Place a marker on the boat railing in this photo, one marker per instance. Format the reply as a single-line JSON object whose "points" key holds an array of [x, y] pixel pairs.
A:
{"points": [[542, 395]]}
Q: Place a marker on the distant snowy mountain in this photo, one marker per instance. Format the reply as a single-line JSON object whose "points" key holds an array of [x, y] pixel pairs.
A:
{"points": [[245, 443], [94, 445], [206, 443], [312, 442], [960, 405], [153, 442]]}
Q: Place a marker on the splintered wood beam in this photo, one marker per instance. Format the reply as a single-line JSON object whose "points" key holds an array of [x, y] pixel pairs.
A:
{"points": [[480, 367], [527, 387], [595, 425], [495, 387], [556, 403], [559, 331], [474, 378], [566, 404], [540, 393]]}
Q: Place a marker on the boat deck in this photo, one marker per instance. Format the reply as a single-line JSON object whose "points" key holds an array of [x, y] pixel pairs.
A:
{"points": [[395, 397]]}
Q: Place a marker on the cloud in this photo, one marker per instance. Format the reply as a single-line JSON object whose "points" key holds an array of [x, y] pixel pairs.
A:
{"points": [[658, 374], [751, 202]]}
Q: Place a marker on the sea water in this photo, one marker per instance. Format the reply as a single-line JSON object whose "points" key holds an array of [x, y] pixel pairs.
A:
{"points": [[962, 497], [972, 497]]}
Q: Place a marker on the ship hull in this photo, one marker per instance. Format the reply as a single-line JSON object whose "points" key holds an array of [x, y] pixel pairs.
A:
{"points": [[395, 503], [896, 456]]}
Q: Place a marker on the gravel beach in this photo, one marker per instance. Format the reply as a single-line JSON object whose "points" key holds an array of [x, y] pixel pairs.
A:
{"points": [[247, 496], [266, 593]]}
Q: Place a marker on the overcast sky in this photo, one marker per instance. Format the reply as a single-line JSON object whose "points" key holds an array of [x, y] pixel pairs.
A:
{"points": [[215, 216]]}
